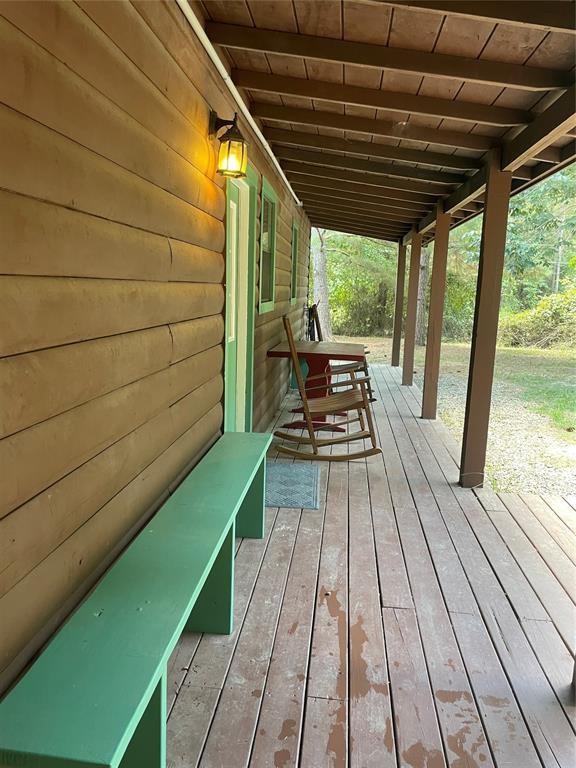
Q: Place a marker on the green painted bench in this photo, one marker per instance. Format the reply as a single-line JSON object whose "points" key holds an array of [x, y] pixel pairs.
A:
{"points": [[96, 696]]}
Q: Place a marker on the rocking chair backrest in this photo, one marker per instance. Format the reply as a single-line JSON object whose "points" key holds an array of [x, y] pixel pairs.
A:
{"points": [[294, 357], [316, 316]]}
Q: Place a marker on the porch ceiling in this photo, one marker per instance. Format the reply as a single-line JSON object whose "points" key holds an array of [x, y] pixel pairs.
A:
{"points": [[380, 111]]}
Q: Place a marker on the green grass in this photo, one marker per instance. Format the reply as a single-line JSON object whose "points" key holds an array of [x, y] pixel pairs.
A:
{"points": [[544, 378]]}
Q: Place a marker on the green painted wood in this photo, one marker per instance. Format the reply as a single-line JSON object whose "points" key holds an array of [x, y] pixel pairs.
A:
{"points": [[214, 608], [148, 744], [252, 181], [269, 194], [81, 702], [231, 338], [250, 518]]}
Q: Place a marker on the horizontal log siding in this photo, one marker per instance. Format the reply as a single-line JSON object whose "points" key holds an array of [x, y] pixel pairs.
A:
{"points": [[111, 277]]}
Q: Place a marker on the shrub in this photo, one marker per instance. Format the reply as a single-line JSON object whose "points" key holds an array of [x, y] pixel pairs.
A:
{"points": [[551, 323]]}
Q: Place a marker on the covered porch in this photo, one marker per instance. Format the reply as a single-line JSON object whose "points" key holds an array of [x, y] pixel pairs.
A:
{"points": [[407, 622]]}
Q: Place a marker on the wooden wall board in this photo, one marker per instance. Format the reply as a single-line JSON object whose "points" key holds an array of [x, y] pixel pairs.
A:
{"points": [[112, 277]]}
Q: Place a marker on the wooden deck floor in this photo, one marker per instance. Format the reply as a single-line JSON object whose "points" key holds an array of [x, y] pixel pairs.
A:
{"points": [[408, 622]]}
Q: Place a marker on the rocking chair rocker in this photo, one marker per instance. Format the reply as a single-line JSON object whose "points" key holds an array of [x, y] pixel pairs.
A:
{"points": [[354, 399]]}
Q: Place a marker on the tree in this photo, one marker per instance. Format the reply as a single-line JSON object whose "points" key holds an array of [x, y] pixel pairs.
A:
{"points": [[319, 258]]}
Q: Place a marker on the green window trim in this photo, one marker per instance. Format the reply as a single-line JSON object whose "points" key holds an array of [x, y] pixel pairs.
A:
{"points": [[268, 196], [294, 275]]}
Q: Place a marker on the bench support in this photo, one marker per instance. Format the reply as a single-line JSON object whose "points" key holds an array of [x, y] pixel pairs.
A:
{"points": [[214, 608], [147, 748], [250, 517]]}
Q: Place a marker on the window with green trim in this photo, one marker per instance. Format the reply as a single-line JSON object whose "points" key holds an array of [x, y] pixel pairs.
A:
{"points": [[294, 278], [267, 247]]}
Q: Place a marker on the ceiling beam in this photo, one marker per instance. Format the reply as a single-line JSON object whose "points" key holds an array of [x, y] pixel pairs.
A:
{"points": [[326, 222], [551, 14], [354, 169], [371, 200], [393, 130], [311, 195], [352, 218], [382, 57], [340, 188], [313, 175], [371, 148], [327, 206], [558, 120], [554, 122], [435, 179], [347, 230], [374, 97]]}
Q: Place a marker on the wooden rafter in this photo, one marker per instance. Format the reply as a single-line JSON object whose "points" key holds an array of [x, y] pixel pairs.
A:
{"points": [[393, 130], [300, 139], [372, 97], [311, 196], [351, 218], [383, 57], [322, 206], [373, 202], [345, 172], [349, 230], [437, 178], [365, 183], [550, 14]]}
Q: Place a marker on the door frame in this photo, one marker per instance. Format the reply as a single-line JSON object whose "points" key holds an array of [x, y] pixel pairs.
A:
{"points": [[248, 196]]}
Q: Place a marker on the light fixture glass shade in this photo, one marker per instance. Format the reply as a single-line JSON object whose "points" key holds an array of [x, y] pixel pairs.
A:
{"points": [[233, 156]]}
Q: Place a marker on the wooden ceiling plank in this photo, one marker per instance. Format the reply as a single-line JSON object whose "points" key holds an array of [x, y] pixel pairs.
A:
{"points": [[382, 57], [300, 139], [372, 224], [436, 178], [553, 14], [395, 130], [328, 222], [379, 99]]}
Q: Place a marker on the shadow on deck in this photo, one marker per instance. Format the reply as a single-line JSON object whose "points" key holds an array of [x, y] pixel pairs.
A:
{"points": [[408, 622]]}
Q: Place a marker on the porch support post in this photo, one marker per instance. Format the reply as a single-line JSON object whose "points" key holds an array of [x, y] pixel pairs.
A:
{"points": [[435, 315], [485, 327], [411, 309], [399, 305]]}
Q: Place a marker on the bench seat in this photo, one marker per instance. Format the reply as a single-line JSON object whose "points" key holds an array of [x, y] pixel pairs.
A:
{"points": [[96, 696]]}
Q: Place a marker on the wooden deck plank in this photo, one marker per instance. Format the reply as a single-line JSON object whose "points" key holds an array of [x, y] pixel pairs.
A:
{"points": [[552, 554], [424, 633], [371, 729], [282, 711], [418, 734], [559, 531], [547, 720], [232, 731]]}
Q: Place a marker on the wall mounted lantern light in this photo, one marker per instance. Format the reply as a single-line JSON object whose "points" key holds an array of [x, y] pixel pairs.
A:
{"points": [[233, 154]]}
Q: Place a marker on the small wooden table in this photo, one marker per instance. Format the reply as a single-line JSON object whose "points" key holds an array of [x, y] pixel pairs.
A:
{"points": [[318, 355]]}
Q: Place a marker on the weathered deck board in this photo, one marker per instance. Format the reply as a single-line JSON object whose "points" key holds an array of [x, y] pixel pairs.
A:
{"points": [[407, 623]]}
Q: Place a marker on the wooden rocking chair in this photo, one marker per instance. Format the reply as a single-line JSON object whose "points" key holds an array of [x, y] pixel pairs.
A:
{"points": [[353, 400], [342, 368]]}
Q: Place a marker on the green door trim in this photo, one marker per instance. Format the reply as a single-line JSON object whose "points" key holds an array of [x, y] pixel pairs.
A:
{"points": [[230, 347], [230, 363], [252, 181]]}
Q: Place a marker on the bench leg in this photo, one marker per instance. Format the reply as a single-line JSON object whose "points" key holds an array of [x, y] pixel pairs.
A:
{"points": [[147, 748], [250, 517], [214, 608]]}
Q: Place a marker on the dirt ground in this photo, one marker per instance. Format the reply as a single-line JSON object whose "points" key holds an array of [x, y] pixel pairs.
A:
{"points": [[532, 442]]}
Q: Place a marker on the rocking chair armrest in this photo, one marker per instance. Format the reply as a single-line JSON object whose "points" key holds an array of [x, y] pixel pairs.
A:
{"points": [[347, 383], [327, 374]]}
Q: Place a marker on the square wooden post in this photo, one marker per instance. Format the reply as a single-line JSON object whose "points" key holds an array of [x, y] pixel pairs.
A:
{"points": [[435, 316], [411, 309], [484, 333], [399, 305]]}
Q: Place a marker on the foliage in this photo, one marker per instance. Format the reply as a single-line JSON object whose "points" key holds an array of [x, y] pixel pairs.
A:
{"points": [[540, 260], [552, 322]]}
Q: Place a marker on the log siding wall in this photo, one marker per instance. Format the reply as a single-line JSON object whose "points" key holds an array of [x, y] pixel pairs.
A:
{"points": [[112, 296]]}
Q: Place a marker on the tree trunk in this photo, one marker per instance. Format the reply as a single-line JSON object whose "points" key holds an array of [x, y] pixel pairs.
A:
{"points": [[321, 286], [421, 313]]}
